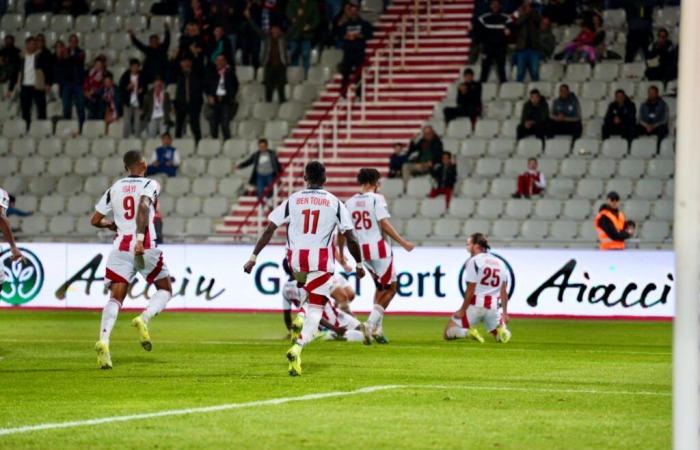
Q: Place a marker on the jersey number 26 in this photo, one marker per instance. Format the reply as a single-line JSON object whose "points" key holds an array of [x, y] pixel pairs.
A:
{"points": [[362, 220]]}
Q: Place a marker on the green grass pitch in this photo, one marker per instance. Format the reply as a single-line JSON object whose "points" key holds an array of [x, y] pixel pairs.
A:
{"points": [[556, 385]]}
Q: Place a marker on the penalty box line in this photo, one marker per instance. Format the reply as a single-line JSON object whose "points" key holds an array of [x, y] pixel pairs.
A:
{"points": [[309, 397]]}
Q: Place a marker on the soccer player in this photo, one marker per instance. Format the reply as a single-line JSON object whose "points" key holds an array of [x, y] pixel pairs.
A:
{"points": [[486, 298], [132, 201], [370, 216], [6, 229], [341, 324], [312, 216]]}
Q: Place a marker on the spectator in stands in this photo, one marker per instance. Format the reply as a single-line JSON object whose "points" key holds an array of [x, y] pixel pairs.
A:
{"points": [[534, 117], [355, 33], [266, 167], [396, 160], [548, 41], [599, 48], [620, 119], [566, 114], [527, 41], [445, 175], [10, 58], [189, 95], [73, 78], [155, 55], [37, 7], [132, 88], [165, 159], [423, 154], [109, 106], [653, 115], [304, 17], [92, 84], [221, 88], [73, 7], [228, 15], [492, 33], [250, 40], [156, 109], [531, 182], [192, 46], [662, 59], [14, 211], [639, 15], [274, 59], [220, 45], [581, 48], [610, 224], [468, 99], [32, 80]]}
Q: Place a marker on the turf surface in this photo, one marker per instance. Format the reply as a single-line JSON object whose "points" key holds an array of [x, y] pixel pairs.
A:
{"points": [[558, 384]]}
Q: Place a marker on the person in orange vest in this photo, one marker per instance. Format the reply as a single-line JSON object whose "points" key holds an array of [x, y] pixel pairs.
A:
{"points": [[611, 225]]}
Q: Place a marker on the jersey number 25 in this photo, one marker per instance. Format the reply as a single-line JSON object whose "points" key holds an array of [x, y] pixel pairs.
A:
{"points": [[491, 277]]}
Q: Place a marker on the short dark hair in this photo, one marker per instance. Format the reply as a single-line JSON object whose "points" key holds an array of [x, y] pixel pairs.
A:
{"points": [[133, 61], [614, 196], [109, 75], [564, 85], [152, 36], [368, 176], [12, 198], [468, 72], [29, 39], [532, 158], [655, 88], [480, 240], [262, 140], [535, 91], [315, 173], [131, 158], [445, 152], [166, 134], [620, 91]]}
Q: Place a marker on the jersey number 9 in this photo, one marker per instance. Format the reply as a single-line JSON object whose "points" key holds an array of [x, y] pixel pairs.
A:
{"points": [[129, 207]]}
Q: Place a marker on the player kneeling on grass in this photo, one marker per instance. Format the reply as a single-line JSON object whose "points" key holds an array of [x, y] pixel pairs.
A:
{"points": [[337, 324], [487, 291], [132, 201], [312, 216]]}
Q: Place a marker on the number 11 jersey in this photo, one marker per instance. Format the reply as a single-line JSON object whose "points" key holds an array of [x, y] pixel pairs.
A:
{"points": [[122, 199]]}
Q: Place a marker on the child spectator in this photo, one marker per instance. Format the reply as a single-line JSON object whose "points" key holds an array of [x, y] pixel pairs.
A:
{"points": [[445, 175], [468, 99], [165, 159], [534, 117], [531, 182]]}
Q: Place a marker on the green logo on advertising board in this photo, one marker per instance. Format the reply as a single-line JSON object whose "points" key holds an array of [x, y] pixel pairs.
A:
{"points": [[22, 279]]}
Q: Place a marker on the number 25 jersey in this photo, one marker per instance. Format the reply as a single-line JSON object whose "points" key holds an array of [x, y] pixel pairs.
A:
{"points": [[489, 274], [122, 199]]}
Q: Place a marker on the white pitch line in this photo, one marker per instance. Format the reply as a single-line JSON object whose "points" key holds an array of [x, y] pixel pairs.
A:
{"points": [[308, 397]]}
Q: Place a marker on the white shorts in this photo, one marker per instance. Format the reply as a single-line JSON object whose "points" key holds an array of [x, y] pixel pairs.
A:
{"points": [[382, 270], [122, 269], [475, 314], [318, 284]]}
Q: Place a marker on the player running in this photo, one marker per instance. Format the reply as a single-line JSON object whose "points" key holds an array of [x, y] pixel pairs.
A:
{"points": [[132, 201], [312, 216], [341, 325], [370, 216], [487, 293], [6, 229]]}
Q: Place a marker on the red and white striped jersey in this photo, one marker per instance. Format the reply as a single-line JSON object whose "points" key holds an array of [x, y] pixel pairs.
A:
{"points": [[4, 199], [122, 199], [489, 274], [367, 210], [312, 217]]}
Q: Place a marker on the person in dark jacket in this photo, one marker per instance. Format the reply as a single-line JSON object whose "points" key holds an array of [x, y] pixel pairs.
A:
{"points": [[354, 34], [72, 83], [423, 154], [10, 57], [248, 37], [468, 99], [527, 54], [662, 59], [220, 45], [397, 160], [493, 32], [534, 117], [132, 88], [653, 115], [445, 175], [639, 14], [611, 225], [274, 59], [620, 117], [189, 97], [34, 81], [266, 167], [304, 18], [221, 88], [109, 105], [155, 55], [565, 118]]}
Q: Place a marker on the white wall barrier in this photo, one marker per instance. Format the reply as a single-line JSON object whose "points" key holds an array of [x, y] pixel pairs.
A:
{"points": [[546, 282]]}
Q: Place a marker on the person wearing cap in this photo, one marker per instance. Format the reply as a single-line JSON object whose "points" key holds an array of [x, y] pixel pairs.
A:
{"points": [[611, 226]]}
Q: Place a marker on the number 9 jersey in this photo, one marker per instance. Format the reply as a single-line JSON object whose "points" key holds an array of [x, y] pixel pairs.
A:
{"points": [[122, 199], [489, 274]]}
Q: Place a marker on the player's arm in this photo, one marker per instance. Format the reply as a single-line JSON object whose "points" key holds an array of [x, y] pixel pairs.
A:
{"points": [[354, 247], [341, 253], [141, 223], [504, 301], [263, 240], [340, 331], [6, 229], [98, 220], [389, 229], [471, 288]]}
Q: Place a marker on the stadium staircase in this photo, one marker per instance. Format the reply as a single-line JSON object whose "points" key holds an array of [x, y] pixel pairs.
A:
{"points": [[417, 51]]}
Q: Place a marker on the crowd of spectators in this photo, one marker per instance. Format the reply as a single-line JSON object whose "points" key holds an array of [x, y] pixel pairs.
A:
{"points": [[272, 34]]}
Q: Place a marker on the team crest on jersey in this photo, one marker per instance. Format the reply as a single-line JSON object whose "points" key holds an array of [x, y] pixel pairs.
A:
{"points": [[23, 279], [463, 277]]}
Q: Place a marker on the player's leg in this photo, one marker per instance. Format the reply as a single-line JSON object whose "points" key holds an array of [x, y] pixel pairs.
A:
{"points": [[118, 273], [156, 272], [382, 271], [464, 327], [495, 325]]}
